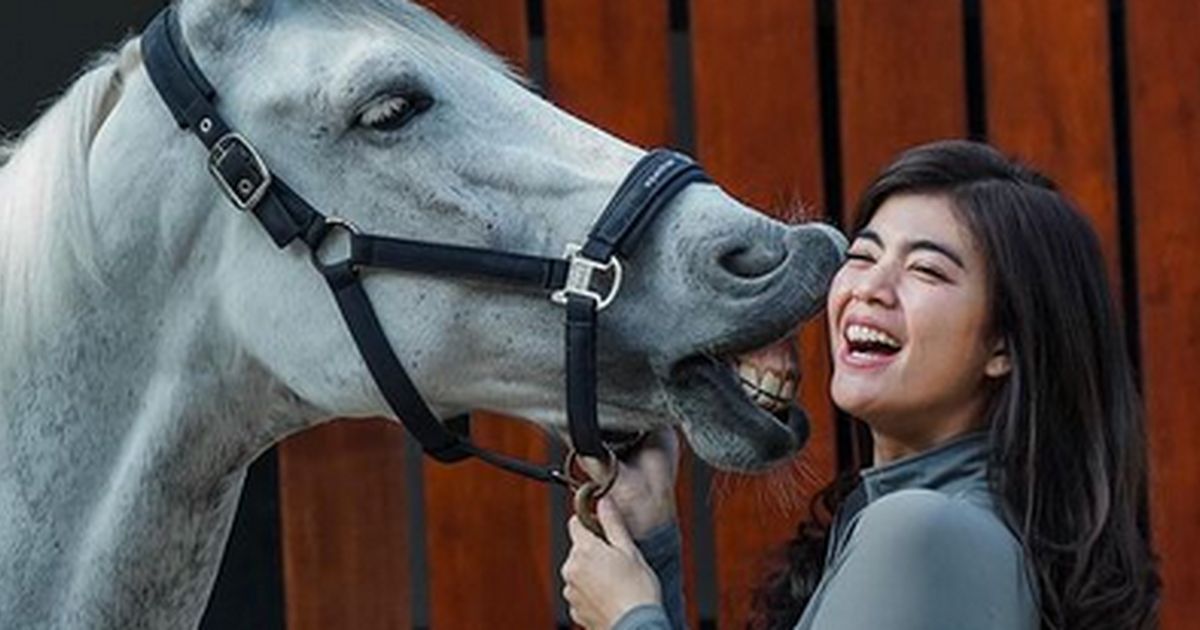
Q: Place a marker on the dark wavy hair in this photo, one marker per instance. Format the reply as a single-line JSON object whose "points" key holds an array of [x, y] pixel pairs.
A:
{"points": [[1068, 447]]}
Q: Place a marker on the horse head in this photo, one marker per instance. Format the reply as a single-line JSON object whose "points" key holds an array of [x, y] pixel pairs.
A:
{"points": [[379, 113]]}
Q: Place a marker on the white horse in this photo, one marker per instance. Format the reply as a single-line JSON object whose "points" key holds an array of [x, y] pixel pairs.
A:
{"points": [[153, 341]]}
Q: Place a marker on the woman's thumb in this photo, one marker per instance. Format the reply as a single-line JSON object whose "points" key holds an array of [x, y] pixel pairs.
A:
{"points": [[614, 525]]}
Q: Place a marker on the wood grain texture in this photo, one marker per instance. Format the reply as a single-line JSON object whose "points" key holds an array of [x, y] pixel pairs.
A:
{"points": [[608, 62], [502, 25], [901, 82], [758, 133], [1164, 69], [344, 527], [488, 536], [1049, 100]]}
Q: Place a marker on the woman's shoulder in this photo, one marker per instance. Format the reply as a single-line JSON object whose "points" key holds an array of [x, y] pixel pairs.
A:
{"points": [[927, 520], [954, 533], [924, 559]]}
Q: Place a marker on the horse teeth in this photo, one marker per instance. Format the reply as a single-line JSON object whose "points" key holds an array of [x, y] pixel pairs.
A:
{"points": [[771, 384], [789, 390], [748, 373]]}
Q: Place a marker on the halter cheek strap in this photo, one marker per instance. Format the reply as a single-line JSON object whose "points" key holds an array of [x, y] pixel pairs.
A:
{"points": [[586, 281]]}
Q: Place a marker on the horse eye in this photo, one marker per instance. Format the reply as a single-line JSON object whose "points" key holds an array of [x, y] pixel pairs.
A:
{"points": [[393, 111]]}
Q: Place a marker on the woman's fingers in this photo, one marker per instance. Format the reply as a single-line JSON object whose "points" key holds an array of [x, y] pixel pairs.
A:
{"points": [[579, 533], [614, 526]]}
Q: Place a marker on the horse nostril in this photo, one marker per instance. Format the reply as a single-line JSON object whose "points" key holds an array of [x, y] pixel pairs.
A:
{"points": [[752, 259]]}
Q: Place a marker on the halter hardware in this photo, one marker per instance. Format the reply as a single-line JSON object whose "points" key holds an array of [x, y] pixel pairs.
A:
{"points": [[580, 274], [331, 225], [287, 217], [239, 170]]}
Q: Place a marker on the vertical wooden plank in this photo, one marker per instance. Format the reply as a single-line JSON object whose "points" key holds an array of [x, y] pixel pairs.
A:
{"points": [[501, 24], [488, 536], [1164, 69], [758, 131], [608, 61], [901, 80], [483, 526], [1049, 100], [345, 543]]}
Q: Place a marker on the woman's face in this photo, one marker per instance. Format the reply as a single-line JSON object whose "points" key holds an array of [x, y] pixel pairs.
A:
{"points": [[909, 324]]}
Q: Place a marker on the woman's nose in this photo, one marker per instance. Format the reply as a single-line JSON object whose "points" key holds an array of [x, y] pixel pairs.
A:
{"points": [[875, 285]]}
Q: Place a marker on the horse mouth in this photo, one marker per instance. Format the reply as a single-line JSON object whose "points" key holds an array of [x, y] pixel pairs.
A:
{"points": [[737, 409]]}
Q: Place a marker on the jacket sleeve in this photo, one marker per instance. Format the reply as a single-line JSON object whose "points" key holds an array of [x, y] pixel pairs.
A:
{"points": [[919, 560], [663, 550]]}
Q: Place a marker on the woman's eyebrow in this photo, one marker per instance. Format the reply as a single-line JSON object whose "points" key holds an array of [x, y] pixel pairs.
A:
{"points": [[937, 247], [869, 235], [915, 245]]}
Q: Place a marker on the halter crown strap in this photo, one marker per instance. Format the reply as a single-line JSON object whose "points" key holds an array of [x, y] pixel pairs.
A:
{"points": [[249, 184]]}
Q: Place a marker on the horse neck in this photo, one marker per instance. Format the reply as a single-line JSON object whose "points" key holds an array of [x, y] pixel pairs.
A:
{"points": [[124, 438], [127, 420]]}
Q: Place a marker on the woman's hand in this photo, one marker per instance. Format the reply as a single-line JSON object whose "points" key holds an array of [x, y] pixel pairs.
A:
{"points": [[603, 581], [644, 492]]}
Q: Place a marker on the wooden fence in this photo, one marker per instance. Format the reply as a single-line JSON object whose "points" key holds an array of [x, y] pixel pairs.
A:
{"points": [[787, 101]]}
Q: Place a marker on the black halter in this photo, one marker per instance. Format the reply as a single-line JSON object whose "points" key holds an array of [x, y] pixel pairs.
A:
{"points": [[245, 179]]}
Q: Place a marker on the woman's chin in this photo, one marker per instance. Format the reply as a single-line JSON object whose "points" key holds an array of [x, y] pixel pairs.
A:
{"points": [[855, 397]]}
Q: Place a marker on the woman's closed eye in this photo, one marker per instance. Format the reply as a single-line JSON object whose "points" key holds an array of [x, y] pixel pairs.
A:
{"points": [[930, 272], [859, 257]]}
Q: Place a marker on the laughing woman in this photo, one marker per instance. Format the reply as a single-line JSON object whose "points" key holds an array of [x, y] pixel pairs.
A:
{"points": [[974, 332]]}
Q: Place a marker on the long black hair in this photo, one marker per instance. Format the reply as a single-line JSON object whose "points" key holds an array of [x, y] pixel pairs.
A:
{"points": [[1068, 447]]}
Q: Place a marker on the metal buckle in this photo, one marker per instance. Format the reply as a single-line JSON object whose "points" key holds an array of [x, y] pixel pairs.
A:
{"points": [[240, 170], [579, 278]]}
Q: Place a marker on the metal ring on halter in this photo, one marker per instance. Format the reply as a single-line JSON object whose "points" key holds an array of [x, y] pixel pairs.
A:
{"points": [[603, 485], [332, 224], [584, 504]]}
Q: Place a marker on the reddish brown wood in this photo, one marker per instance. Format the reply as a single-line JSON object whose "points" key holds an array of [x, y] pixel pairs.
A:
{"points": [[501, 24], [1164, 68], [488, 536], [608, 62], [344, 527], [1049, 100], [901, 81], [758, 133]]}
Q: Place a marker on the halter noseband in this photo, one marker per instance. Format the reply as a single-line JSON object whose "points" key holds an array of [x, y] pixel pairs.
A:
{"points": [[245, 179]]}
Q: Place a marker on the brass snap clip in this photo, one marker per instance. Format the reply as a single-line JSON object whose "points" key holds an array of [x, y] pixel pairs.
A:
{"points": [[589, 490]]}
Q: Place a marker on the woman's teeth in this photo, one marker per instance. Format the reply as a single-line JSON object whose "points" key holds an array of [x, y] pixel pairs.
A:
{"points": [[859, 335]]}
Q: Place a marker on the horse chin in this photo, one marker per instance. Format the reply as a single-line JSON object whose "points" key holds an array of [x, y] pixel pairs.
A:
{"points": [[724, 427]]}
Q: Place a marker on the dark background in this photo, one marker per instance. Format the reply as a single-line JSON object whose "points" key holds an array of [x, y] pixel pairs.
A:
{"points": [[44, 45]]}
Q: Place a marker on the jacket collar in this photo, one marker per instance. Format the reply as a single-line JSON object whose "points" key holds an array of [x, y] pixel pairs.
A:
{"points": [[956, 465]]}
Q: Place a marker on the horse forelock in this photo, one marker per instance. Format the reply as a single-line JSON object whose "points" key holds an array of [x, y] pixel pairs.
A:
{"points": [[46, 230]]}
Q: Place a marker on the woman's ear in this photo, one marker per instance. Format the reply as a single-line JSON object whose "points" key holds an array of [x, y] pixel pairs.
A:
{"points": [[999, 364]]}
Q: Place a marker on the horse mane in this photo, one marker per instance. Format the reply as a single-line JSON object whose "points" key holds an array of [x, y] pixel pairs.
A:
{"points": [[47, 234]]}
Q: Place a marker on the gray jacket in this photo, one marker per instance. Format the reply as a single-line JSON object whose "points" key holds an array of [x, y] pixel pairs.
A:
{"points": [[920, 545]]}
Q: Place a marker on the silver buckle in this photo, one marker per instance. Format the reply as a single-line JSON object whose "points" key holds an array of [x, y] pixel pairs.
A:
{"points": [[246, 192], [579, 278]]}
